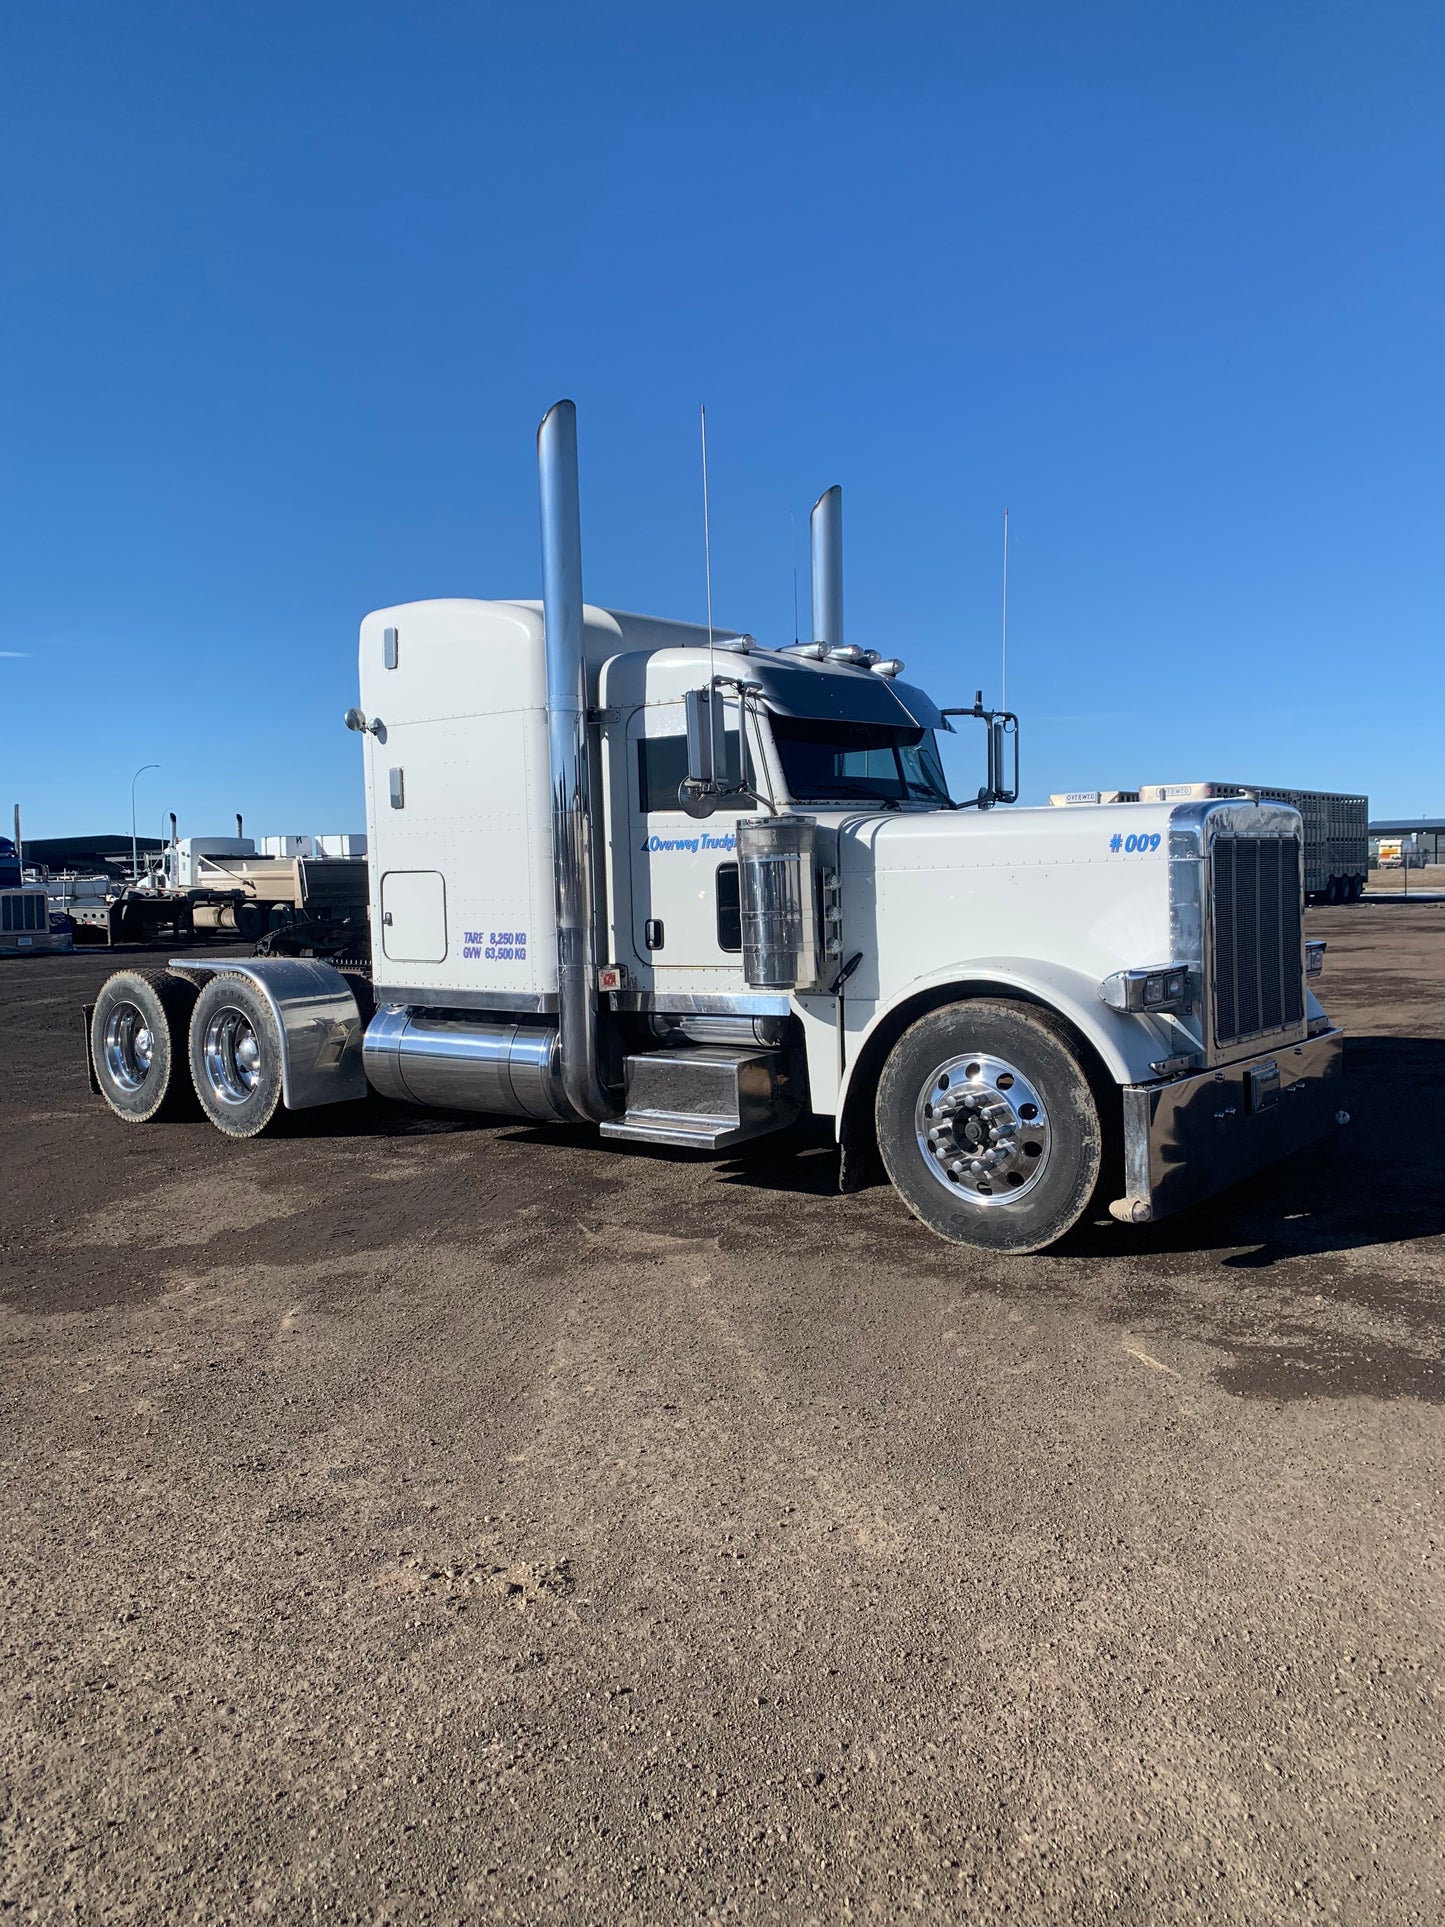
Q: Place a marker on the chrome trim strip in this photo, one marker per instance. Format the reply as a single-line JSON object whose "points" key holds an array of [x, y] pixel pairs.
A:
{"points": [[419, 997], [704, 1003]]}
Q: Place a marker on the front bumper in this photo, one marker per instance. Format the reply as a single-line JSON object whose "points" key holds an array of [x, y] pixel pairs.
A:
{"points": [[1188, 1139]]}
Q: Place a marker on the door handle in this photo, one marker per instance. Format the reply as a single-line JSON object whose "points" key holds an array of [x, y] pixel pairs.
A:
{"points": [[652, 933]]}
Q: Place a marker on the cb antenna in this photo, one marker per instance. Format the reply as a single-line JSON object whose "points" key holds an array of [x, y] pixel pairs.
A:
{"points": [[707, 570], [1003, 697]]}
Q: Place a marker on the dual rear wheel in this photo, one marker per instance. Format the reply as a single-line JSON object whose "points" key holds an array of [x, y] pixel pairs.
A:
{"points": [[159, 1047]]}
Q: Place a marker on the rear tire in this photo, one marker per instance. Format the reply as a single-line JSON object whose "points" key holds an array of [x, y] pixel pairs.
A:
{"points": [[988, 1125], [1332, 890], [235, 1052], [250, 921], [138, 1034]]}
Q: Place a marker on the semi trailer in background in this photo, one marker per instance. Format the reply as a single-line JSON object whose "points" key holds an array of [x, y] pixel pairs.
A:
{"points": [[1335, 845], [658, 879], [1336, 823]]}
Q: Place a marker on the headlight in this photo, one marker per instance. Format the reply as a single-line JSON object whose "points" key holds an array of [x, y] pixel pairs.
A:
{"points": [[1315, 949], [1150, 992]]}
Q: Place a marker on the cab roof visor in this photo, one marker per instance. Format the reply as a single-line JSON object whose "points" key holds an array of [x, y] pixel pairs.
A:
{"points": [[827, 693]]}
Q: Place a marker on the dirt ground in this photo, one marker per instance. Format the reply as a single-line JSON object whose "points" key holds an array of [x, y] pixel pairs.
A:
{"points": [[1430, 877], [419, 1520]]}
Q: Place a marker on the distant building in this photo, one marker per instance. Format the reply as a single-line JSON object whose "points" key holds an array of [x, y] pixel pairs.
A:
{"points": [[1422, 836], [87, 854]]}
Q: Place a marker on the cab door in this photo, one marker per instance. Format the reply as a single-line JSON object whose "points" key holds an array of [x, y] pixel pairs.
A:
{"points": [[684, 868]]}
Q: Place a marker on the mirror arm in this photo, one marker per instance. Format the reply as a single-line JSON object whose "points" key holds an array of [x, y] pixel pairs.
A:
{"points": [[1000, 724]]}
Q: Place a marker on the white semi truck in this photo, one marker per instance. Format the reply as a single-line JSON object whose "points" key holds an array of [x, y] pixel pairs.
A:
{"points": [[688, 889]]}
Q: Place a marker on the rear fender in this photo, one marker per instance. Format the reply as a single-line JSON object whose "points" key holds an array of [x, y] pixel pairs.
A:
{"points": [[316, 1017]]}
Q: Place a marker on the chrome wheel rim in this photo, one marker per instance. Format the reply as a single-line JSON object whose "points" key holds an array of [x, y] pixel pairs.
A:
{"points": [[231, 1055], [128, 1047], [983, 1130]]}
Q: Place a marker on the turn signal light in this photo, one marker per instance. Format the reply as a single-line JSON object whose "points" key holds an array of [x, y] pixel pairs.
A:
{"points": [[1152, 992]]}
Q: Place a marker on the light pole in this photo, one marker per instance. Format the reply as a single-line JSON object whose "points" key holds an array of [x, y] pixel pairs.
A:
{"points": [[134, 860]]}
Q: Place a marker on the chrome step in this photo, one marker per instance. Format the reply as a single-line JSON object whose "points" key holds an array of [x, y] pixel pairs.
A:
{"points": [[705, 1097]]}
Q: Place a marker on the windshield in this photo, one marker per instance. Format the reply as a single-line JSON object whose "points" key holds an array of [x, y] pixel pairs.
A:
{"points": [[869, 762]]}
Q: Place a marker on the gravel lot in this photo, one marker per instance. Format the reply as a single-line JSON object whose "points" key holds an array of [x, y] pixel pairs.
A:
{"points": [[412, 1519]]}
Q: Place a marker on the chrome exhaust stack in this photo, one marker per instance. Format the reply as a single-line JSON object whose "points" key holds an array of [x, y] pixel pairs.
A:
{"points": [[570, 763], [825, 536]]}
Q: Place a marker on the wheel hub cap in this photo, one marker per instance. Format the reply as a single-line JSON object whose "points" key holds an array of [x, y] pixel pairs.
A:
{"points": [[129, 1047], [982, 1129], [231, 1056]]}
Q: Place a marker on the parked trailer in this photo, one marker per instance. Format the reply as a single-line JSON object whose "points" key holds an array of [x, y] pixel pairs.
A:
{"points": [[1336, 831], [219, 886], [635, 873]]}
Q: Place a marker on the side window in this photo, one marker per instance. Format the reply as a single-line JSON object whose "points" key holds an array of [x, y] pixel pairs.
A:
{"points": [[662, 766], [729, 908]]}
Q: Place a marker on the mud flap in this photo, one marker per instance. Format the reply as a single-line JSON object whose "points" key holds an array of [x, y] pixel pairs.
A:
{"points": [[87, 1012]]}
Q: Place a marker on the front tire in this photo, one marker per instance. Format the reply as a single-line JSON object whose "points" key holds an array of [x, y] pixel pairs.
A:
{"points": [[235, 1050], [988, 1125], [138, 1044]]}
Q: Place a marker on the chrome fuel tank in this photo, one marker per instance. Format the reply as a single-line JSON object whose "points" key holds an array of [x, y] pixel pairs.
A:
{"points": [[466, 1064]]}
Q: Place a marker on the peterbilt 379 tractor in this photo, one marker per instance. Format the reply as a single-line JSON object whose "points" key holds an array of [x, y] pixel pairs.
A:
{"points": [[655, 878]]}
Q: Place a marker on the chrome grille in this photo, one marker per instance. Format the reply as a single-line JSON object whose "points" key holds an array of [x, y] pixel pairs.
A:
{"points": [[1258, 938], [26, 910]]}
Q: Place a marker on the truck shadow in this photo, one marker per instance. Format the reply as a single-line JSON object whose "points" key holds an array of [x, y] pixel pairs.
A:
{"points": [[1317, 1278], [1377, 1181], [1374, 1182]]}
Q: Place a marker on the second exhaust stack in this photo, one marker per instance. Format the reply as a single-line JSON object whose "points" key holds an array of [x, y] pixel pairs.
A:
{"points": [[825, 531]]}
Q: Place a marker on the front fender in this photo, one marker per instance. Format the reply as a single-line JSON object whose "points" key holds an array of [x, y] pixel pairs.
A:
{"points": [[1128, 1045]]}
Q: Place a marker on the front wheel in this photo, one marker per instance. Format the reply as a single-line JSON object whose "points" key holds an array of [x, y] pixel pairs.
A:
{"points": [[988, 1126], [236, 1057]]}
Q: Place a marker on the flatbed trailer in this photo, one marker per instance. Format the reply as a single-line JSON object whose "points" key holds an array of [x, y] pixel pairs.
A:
{"points": [[249, 899]]}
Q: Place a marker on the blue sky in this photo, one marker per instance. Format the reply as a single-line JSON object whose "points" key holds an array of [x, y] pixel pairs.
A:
{"points": [[287, 288]]}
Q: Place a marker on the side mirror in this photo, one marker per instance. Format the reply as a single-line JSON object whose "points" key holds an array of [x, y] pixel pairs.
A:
{"points": [[1001, 728], [706, 735], [702, 790]]}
